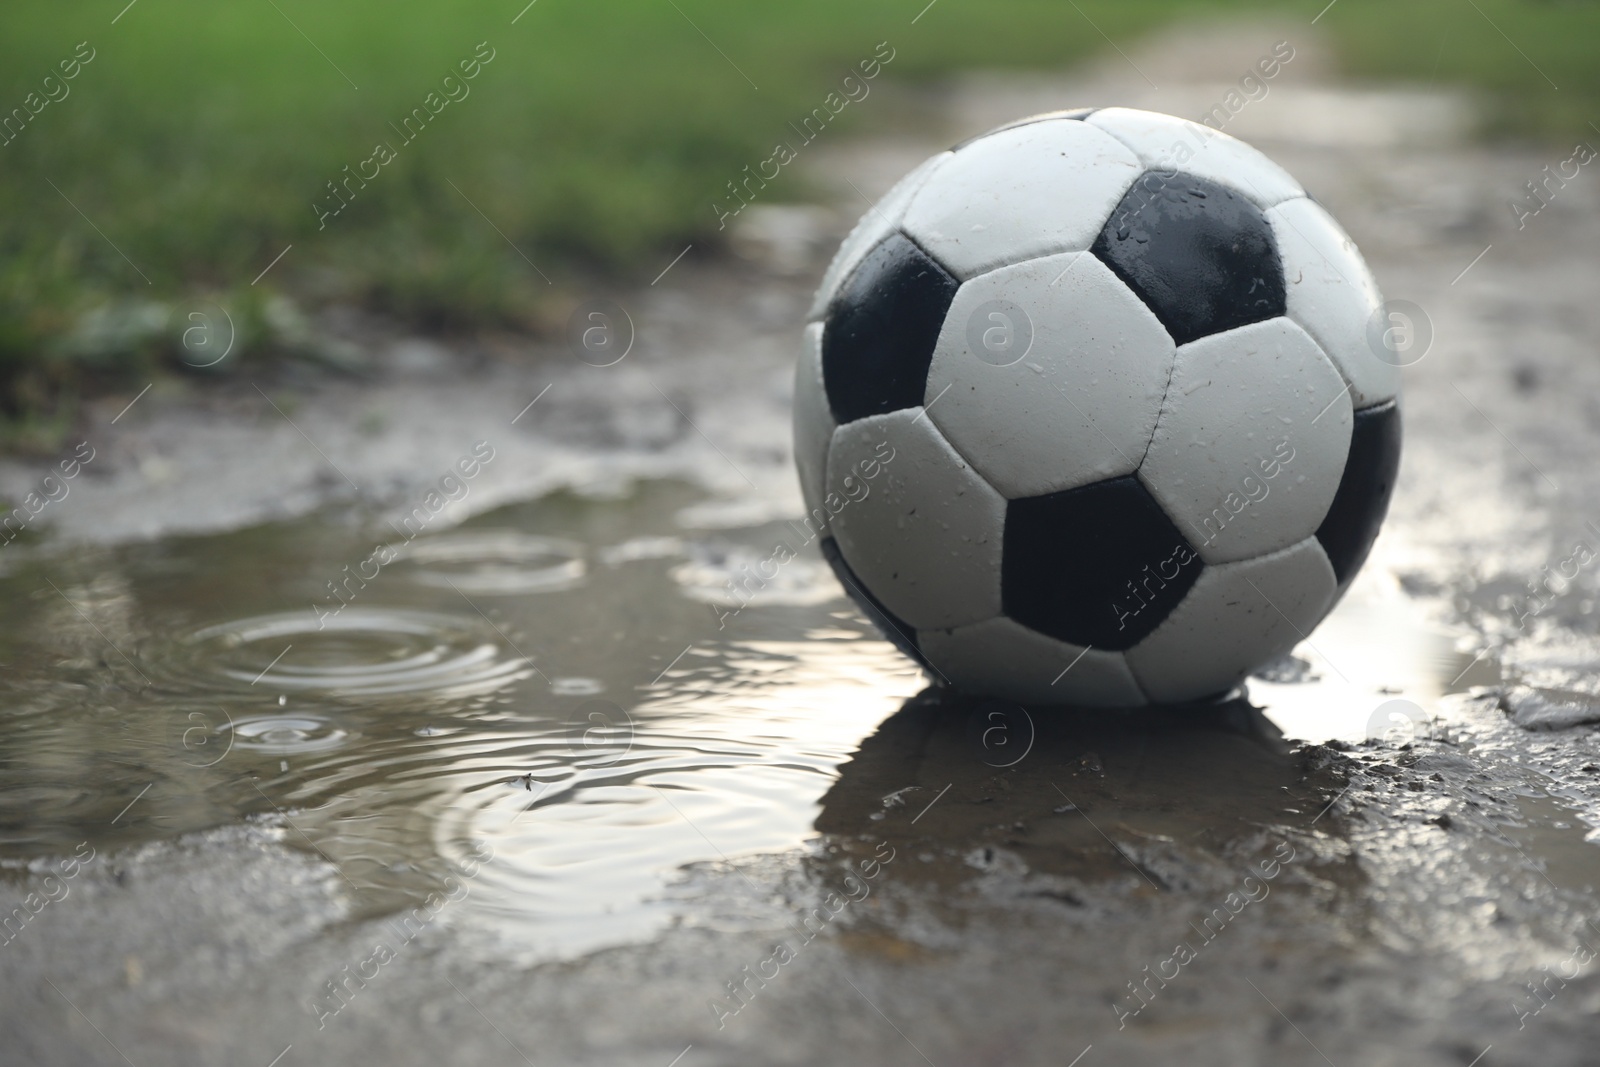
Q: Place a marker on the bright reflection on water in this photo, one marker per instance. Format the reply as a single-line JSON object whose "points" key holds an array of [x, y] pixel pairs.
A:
{"points": [[550, 681], [1375, 668]]}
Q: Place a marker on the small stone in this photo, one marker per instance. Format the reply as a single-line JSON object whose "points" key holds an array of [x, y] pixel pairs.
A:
{"points": [[1549, 709]]}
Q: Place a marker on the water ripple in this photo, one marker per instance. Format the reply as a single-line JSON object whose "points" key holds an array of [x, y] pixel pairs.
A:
{"points": [[358, 652], [493, 562]]}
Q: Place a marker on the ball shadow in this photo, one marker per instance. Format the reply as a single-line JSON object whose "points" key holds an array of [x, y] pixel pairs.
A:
{"points": [[961, 783]]}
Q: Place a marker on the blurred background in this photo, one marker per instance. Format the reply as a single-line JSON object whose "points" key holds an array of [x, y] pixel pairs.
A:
{"points": [[191, 150]]}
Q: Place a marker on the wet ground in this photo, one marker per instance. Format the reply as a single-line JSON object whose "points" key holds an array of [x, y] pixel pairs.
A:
{"points": [[303, 764]]}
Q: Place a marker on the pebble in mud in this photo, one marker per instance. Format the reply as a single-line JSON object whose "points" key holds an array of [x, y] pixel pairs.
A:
{"points": [[1549, 709]]}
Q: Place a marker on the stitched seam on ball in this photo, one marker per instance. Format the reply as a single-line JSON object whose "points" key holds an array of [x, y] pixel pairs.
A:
{"points": [[1161, 409]]}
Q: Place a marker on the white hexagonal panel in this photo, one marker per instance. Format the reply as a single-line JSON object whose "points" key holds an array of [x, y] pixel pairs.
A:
{"points": [[1333, 295], [1237, 616], [1021, 193], [813, 426], [1251, 441], [1080, 405], [1006, 659], [879, 221], [918, 526], [1171, 147]]}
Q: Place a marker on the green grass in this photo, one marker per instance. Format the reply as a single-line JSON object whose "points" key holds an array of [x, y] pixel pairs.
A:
{"points": [[596, 140]]}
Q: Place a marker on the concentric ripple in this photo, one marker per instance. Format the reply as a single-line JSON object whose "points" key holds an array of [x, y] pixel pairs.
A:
{"points": [[493, 562], [288, 734], [400, 733], [359, 652], [590, 821]]}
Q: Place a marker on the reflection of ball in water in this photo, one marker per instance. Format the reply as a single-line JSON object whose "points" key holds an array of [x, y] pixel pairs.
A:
{"points": [[1087, 411]]}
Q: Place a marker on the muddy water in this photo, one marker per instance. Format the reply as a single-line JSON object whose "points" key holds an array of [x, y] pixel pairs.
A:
{"points": [[564, 681], [540, 681]]}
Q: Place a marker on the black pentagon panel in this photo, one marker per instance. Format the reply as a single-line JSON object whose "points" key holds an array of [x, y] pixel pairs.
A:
{"points": [[1358, 507], [1101, 565], [896, 631], [877, 341], [1079, 113], [1201, 256]]}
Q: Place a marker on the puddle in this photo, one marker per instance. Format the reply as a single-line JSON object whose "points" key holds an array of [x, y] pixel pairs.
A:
{"points": [[1375, 668], [599, 728], [485, 689]]}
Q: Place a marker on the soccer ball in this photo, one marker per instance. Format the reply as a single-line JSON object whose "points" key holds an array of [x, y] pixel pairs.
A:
{"points": [[1089, 411]]}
